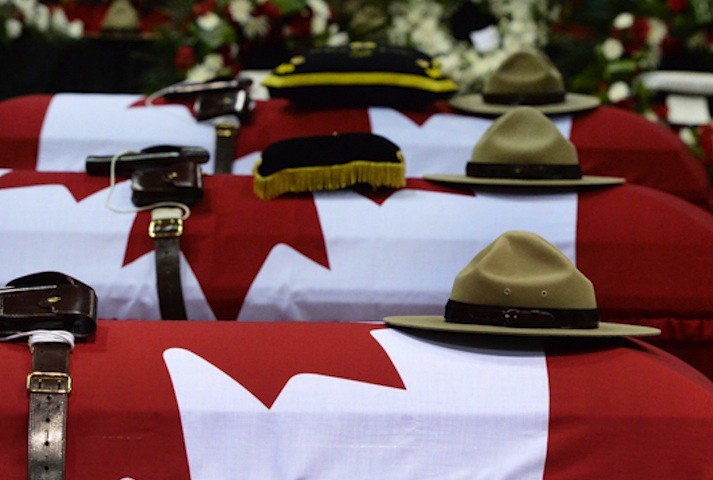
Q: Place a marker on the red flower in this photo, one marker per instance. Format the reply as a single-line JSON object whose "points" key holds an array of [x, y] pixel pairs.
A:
{"points": [[269, 10], [201, 8], [185, 57], [300, 25], [671, 45], [677, 5], [640, 29]]}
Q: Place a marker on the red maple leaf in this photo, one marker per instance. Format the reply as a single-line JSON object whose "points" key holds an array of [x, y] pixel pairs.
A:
{"points": [[285, 349], [231, 232]]}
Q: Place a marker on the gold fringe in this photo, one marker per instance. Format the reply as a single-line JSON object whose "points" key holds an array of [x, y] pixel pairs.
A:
{"points": [[332, 177]]}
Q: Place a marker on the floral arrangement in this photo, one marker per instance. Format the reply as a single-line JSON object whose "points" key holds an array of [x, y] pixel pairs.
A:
{"points": [[636, 42], [470, 39], [212, 37], [20, 17], [618, 46]]}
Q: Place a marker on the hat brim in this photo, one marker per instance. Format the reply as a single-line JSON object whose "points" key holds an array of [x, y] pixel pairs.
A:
{"points": [[605, 329], [585, 181], [574, 102]]}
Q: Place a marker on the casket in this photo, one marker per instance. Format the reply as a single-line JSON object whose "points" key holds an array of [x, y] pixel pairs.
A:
{"points": [[354, 254], [332, 400]]}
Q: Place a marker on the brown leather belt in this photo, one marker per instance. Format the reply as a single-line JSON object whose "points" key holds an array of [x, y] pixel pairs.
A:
{"points": [[226, 110], [225, 135], [182, 184], [165, 229], [48, 386], [52, 309]]}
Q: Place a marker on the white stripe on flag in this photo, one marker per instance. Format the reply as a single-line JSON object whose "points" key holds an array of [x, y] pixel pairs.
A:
{"points": [[78, 125], [465, 412]]}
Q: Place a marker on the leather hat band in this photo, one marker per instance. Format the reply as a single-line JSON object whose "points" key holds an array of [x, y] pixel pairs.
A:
{"points": [[523, 171], [524, 98], [459, 312]]}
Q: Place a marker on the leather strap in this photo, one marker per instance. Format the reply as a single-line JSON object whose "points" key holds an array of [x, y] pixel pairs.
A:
{"points": [[524, 98], [459, 312], [48, 385], [225, 134], [166, 229], [523, 171], [37, 306]]}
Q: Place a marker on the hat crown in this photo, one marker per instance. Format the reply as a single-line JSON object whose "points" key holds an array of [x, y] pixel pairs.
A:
{"points": [[525, 72], [523, 270], [524, 136]]}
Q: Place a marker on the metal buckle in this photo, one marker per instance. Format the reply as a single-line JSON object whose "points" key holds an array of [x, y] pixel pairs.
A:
{"points": [[166, 228], [49, 382]]}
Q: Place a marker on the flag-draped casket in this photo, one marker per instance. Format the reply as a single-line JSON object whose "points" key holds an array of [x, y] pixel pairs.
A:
{"points": [[354, 254], [331, 400]]}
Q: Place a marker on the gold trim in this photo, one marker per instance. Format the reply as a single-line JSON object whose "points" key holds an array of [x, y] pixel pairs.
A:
{"points": [[387, 79]]}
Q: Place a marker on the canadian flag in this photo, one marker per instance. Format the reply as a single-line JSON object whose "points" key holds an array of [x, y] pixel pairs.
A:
{"points": [[53, 133], [310, 400]]}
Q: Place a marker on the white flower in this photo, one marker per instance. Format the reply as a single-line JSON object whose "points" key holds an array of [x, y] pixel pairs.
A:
{"points": [[240, 11], [199, 73], [27, 9], [42, 18], [612, 49], [320, 16], [208, 21], [59, 20], [657, 32], [213, 61], [623, 21], [209, 68], [687, 136], [651, 116], [75, 29], [13, 28], [256, 27], [618, 91], [337, 38]]}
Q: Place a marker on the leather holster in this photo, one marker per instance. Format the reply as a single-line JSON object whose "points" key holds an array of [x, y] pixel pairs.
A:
{"points": [[181, 182]]}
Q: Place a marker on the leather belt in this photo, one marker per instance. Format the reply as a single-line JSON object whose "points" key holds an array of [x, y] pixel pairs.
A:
{"points": [[165, 229], [226, 110], [48, 385], [225, 135], [29, 306]]}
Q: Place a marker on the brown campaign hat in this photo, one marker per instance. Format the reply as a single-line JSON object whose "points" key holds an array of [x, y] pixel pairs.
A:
{"points": [[524, 148], [522, 285], [526, 77]]}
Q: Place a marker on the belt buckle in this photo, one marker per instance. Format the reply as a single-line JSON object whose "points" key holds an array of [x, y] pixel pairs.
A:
{"points": [[49, 382], [166, 228]]}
